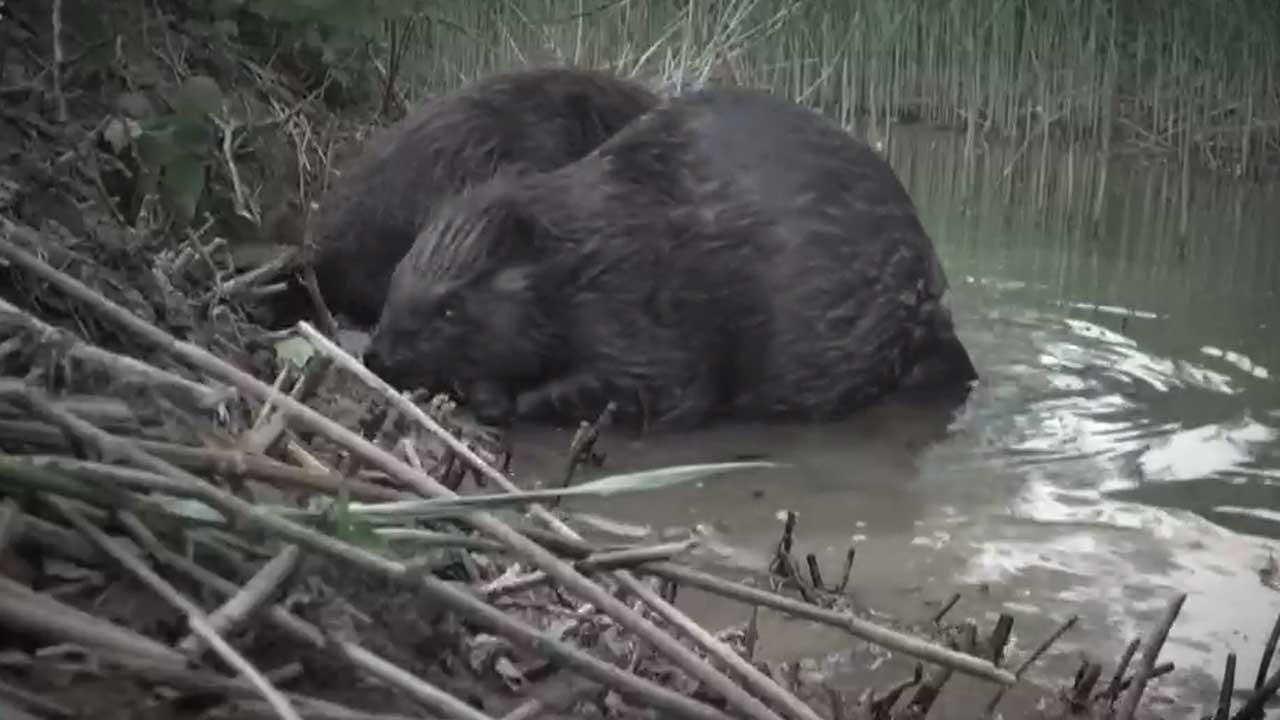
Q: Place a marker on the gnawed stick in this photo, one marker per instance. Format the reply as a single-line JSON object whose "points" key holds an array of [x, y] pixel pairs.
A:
{"points": [[244, 604], [1129, 704], [196, 618], [22, 607], [857, 627], [35, 701], [597, 561], [1228, 685], [1268, 652], [1253, 707], [305, 632], [1031, 659], [1122, 666], [201, 396], [222, 461]]}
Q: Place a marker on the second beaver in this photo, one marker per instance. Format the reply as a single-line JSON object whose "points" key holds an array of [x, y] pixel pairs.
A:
{"points": [[528, 120], [730, 253]]}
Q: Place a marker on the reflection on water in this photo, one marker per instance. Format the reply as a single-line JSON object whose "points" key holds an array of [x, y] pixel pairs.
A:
{"points": [[1122, 445]]}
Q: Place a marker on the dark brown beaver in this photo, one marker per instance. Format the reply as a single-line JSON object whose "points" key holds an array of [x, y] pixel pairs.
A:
{"points": [[527, 120], [729, 253]]}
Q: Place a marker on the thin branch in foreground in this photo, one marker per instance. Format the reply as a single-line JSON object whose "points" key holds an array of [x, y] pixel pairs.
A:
{"points": [[305, 632], [244, 604], [201, 396], [59, 96], [47, 617], [1224, 692], [1122, 666], [1253, 707], [195, 616], [1031, 659], [1147, 662]]}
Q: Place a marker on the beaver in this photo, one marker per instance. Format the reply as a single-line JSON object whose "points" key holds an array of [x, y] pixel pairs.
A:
{"points": [[730, 253], [534, 119]]}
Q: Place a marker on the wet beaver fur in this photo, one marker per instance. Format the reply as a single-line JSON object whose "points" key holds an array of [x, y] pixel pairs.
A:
{"points": [[528, 120], [729, 254]]}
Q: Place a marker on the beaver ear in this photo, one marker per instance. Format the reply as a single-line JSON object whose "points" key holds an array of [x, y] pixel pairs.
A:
{"points": [[513, 280]]}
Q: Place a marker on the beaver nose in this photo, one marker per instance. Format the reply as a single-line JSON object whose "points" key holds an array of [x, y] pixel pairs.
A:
{"points": [[376, 362]]}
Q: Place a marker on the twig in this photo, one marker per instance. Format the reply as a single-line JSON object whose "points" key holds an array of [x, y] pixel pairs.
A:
{"points": [[57, 540], [1086, 681], [848, 568], [1148, 660], [582, 448], [1253, 707], [1026, 664], [109, 412], [44, 616], [815, 573], [10, 523], [752, 635], [1160, 670], [1000, 638], [1113, 688], [202, 396], [596, 561], [324, 316], [879, 708], [195, 616], [249, 279], [34, 701], [58, 95], [245, 603], [228, 128], [1228, 685], [313, 708], [1267, 653], [307, 633], [224, 462], [857, 627], [946, 608]]}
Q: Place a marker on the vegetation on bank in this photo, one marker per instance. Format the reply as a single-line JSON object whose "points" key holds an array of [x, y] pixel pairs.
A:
{"points": [[1193, 76]]}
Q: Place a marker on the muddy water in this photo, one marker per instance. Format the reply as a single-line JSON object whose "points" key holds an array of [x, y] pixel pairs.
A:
{"points": [[1123, 444]]}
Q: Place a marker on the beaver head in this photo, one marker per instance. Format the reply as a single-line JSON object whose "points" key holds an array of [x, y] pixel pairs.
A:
{"points": [[467, 309]]}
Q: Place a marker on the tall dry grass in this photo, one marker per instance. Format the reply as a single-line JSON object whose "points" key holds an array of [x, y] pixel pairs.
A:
{"points": [[1199, 79]]}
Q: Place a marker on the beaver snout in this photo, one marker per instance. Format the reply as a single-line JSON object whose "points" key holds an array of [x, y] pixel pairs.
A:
{"points": [[490, 403], [380, 363]]}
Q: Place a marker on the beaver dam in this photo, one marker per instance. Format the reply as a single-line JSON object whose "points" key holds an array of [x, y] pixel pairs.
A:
{"points": [[202, 518]]}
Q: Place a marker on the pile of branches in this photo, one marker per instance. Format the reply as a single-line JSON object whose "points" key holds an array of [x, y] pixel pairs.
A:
{"points": [[153, 481]]}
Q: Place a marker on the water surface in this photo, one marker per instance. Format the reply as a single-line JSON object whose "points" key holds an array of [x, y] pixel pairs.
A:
{"points": [[1122, 445]]}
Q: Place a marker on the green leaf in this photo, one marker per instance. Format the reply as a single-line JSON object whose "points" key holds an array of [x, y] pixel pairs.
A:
{"points": [[611, 485], [198, 96], [190, 509], [183, 184], [156, 146], [297, 350], [191, 134]]}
